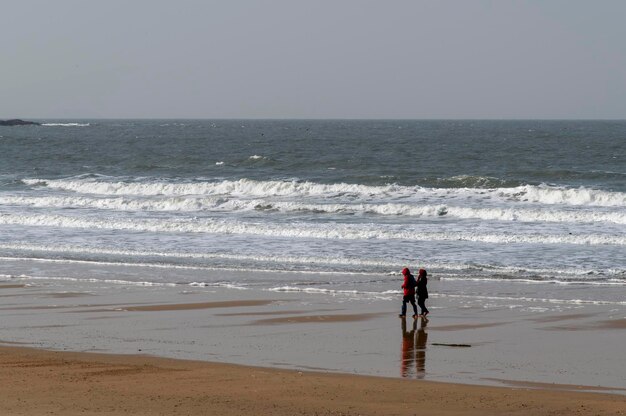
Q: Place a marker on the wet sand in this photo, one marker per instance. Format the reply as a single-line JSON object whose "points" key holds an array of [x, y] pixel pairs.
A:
{"points": [[297, 354], [317, 319], [190, 306], [610, 324], [11, 286], [37, 382]]}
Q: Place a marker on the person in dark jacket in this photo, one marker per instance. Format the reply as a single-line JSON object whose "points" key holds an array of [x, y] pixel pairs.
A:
{"points": [[409, 292], [422, 291]]}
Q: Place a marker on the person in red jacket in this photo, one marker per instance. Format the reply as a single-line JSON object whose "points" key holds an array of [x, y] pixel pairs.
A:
{"points": [[409, 292]]}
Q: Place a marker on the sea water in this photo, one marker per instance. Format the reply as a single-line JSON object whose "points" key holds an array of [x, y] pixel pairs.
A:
{"points": [[498, 212]]}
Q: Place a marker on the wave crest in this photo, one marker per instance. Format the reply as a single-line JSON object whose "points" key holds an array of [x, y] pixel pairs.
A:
{"points": [[382, 194], [549, 195], [226, 204], [304, 230]]}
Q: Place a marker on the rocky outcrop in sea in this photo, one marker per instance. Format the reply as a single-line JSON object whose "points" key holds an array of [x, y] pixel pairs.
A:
{"points": [[18, 122]]}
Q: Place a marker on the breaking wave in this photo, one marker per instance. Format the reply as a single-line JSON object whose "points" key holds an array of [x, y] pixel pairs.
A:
{"points": [[304, 230], [242, 187], [543, 194], [226, 204], [549, 195]]}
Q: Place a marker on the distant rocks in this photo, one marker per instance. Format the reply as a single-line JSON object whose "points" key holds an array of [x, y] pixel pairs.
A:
{"points": [[18, 122]]}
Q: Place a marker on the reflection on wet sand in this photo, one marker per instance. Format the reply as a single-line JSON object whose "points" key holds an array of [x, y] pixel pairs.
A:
{"points": [[413, 359], [420, 348], [408, 349]]}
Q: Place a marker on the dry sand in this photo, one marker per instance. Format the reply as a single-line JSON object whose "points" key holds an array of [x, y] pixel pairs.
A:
{"points": [[36, 382]]}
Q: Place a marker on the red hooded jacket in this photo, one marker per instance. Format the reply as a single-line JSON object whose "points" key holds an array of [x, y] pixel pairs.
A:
{"points": [[408, 285]]}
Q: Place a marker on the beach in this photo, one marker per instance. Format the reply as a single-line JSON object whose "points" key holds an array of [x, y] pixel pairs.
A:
{"points": [[35, 382], [172, 350]]}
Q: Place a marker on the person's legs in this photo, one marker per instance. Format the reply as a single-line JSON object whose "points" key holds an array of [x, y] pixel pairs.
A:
{"points": [[414, 307], [421, 301], [404, 300]]}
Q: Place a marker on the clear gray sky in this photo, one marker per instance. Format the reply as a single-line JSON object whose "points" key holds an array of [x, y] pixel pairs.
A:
{"points": [[313, 59]]}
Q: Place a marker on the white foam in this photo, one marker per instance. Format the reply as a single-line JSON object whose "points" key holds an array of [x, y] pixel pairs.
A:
{"points": [[247, 188], [555, 278], [224, 285], [333, 292], [312, 290], [575, 275], [69, 249], [492, 214], [304, 230], [218, 203], [242, 187], [551, 195], [533, 300], [109, 281], [65, 124], [535, 215], [183, 204]]}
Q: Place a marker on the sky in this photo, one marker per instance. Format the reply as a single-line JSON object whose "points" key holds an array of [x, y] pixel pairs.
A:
{"points": [[391, 59]]}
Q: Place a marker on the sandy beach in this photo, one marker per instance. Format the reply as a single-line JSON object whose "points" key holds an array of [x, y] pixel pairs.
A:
{"points": [[119, 349], [35, 382]]}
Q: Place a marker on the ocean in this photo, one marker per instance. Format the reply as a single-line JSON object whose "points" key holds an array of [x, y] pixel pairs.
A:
{"points": [[330, 207]]}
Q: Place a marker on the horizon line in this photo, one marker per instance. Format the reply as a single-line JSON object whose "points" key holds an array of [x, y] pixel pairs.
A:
{"points": [[318, 119]]}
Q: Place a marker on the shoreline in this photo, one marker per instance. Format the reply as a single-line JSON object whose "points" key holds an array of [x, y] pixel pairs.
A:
{"points": [[37, 382], [334, 334]]}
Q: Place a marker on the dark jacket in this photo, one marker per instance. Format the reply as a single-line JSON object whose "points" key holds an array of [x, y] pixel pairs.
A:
{"points": [[422, 291]]}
